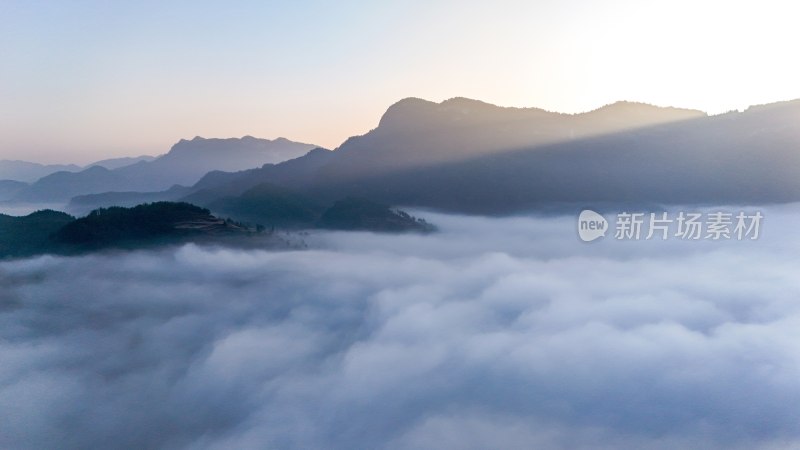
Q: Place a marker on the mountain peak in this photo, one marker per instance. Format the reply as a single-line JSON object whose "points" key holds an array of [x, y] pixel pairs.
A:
{"points": [[414, 111], [417, 112], [405, 109], [464, 102], [96, 169], [629, 107]]}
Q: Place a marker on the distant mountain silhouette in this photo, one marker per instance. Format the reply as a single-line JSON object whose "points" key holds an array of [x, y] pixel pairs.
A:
{"points": [[116, 163], [212, 186], [83, 204], [292, 173], [10, 188], [62, 186], [185, 164], [29, 172]]}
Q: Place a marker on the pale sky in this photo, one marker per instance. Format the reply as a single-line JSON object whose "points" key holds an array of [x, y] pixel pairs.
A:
{"points": [[87, 80]]}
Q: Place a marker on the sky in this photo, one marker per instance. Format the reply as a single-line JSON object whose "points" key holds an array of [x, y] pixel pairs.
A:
{"points": [[524, 338], [88, 80]]}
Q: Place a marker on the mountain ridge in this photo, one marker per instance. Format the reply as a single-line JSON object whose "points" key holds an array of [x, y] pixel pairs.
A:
{"points": [[465, 155], [678, 155], [184, 164]]}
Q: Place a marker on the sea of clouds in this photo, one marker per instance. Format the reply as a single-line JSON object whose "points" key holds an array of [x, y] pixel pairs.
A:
{"points": [[493, 333]]}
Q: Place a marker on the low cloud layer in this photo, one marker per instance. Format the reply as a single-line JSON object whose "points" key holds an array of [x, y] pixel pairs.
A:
{"points": [[494, 333]]}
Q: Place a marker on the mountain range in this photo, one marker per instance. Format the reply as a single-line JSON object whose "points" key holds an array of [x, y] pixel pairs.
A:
{"points": [[9, 189], [184, 164], [29, 172], [468, 156]]}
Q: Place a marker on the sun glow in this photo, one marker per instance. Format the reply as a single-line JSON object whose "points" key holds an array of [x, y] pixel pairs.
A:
{"points": [[85, 82]]}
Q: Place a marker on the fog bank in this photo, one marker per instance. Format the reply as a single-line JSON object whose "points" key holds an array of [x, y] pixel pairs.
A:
{"points": [[493, 333]]}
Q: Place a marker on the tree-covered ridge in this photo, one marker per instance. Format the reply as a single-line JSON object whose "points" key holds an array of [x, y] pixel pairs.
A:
{"points": [[143, 225], [148, 221], [23, 236], [169, 222], [362, 214]]}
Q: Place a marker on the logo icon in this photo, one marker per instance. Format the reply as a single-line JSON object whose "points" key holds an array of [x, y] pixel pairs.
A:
{"points": [[591, 225]]}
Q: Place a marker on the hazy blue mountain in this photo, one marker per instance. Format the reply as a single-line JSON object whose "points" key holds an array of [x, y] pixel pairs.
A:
{"points": [[188, 161], [29, 172], [83, 204], [294, 173], [10, 188], [212, 186], [185, 164], [62, 186], [116, 163]]}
